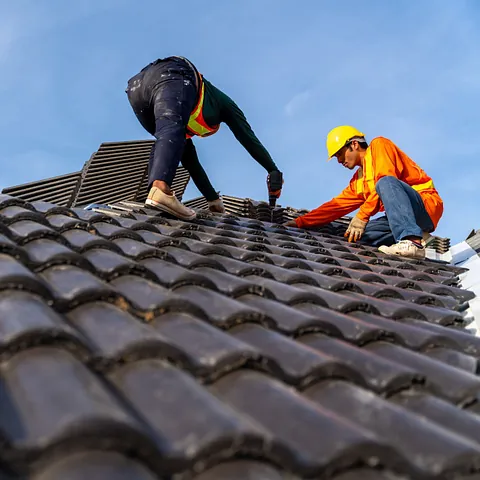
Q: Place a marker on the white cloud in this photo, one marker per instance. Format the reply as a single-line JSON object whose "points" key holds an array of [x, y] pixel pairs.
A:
{"points": [[297, 102]]}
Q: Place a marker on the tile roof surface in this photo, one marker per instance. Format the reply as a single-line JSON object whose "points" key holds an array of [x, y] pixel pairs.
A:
{"points": [[135, 346]]}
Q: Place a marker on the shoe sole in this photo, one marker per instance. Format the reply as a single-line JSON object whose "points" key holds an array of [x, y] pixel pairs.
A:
{"points": [[413, 257], [163, 208]]}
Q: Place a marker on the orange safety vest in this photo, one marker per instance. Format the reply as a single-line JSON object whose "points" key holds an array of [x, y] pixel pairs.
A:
{"points": [[196, 123], [369, 180], [411, 174]]}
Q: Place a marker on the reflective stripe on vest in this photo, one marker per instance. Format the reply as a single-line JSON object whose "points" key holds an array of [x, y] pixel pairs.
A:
{"points": [[369, 178], [196, 123]]}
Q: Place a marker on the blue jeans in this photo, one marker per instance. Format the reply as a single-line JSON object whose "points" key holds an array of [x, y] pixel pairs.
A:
{"points": [[405, 214]]}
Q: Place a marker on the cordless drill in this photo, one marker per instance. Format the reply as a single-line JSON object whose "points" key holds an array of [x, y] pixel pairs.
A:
{"points": [[274, 184]]}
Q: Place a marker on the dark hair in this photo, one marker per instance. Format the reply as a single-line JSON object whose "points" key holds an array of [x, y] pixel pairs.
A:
{"points": [[361, 141]]}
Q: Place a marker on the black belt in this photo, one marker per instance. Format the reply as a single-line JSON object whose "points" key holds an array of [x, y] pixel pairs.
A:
{"points": [[192, 66]]}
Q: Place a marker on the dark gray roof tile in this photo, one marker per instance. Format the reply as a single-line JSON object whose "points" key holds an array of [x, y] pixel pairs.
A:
{"points": [[465, 341], [221, 310], [108, 264], [118, 337], [205, 350], [295, 438], [243, 470], [206, 427], [292, 361], [95, 465], [110, 232], [293, 321], [45, 252], [61, 222], [413, 336], [25, 231], [72, 286], [367, 474], [188, 259], [27, 320], [14, 274], [7, 200], [197, 348], [232, 285], [81, 241], [379, 374], [58, 398], [241, 269], [148, 299], [49, 208], [429, 448], [172, 275], [9, 247], [443, 413], [397, 309], [16, 213], [136, 224], [137, 250], [443, 380], [454, 358]]}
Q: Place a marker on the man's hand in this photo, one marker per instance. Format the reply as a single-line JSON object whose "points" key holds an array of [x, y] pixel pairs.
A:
{"points": [[275, 183], [355, 229], [290, 223]]}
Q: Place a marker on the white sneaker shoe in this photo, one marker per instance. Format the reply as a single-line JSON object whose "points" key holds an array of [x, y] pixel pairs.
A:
{"points": [[169, 203], [216, 206], [404, 248]]}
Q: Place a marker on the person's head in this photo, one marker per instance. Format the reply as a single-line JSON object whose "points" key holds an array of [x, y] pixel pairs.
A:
{"points": [[348, 145]]}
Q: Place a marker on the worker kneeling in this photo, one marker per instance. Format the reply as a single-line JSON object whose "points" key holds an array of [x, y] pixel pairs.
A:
{"points": [[174, 103], [386, 180]]}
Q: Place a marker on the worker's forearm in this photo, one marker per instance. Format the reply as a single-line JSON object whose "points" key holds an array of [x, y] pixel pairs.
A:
{"points": [[326, 213]]}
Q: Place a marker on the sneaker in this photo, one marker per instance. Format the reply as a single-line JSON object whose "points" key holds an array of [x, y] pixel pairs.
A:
{"points": [[169, 203], [404, 248], [216, 206]]}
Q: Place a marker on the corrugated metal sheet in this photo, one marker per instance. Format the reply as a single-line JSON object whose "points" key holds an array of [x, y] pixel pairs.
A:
{"points": [[56, 190]]}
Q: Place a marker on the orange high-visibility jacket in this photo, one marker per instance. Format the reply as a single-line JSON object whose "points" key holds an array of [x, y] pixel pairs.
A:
{"points": [[382, 158]]}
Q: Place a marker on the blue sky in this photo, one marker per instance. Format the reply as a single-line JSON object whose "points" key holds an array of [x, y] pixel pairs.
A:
{"points": [[406, 70]]}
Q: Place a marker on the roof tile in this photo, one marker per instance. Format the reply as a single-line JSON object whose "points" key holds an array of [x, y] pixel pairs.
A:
{"points": [[95, 465], [427, 446], [379, 374], [58, 398], [296, 439], [444, 380], [27, 320], [222, 347], [206, 426], [244, 470]]}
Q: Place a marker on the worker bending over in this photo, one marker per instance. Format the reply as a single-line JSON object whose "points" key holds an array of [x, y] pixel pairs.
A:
{"points": [[386, 180], [174, 103]]}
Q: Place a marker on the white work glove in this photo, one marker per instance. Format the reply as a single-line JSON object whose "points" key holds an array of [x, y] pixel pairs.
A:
{"points": [[216, 206], [355, 229]]}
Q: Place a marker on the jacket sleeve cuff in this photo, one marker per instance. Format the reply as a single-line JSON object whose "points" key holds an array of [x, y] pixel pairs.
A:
{"points": [[299, 222], [363, 216]]}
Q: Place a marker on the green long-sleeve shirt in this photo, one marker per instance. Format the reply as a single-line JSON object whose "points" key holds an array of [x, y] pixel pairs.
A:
{"points": [[217, 108]]}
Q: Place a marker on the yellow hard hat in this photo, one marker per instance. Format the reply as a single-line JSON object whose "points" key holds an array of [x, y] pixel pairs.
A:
{"points": [[338, 137]]}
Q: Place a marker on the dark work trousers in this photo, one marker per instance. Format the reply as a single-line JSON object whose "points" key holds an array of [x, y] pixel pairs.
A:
{"points": [[405, 214], [163, 96]]}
